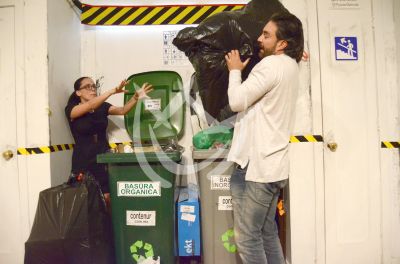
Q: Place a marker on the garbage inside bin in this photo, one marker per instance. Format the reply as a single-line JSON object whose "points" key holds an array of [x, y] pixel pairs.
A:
{"points": [[71, 226], [218, 136], [207, 44]]}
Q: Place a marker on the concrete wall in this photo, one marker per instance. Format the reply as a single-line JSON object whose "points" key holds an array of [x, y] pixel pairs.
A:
{"points": [[387, 38], [39, 59], [396, 15], [305, 171], [32, 102], [64, 43]]}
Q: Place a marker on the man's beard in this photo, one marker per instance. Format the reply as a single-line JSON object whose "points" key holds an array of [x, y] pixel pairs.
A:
{"points": [[262, 53]]}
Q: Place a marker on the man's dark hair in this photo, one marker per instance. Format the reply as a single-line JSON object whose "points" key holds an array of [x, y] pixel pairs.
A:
{"points": [[290, 29]]}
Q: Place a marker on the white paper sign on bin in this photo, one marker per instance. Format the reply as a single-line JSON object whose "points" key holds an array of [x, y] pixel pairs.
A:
{"points": [[141, 218], [220, 182], [139, 189], [225, 203]]}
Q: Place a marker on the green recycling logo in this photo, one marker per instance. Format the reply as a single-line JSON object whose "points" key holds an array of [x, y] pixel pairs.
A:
{"points": [[231, 248], [148, 251]]}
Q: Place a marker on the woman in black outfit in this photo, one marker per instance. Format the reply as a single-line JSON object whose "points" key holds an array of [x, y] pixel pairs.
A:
{"points": [[87, 115]]}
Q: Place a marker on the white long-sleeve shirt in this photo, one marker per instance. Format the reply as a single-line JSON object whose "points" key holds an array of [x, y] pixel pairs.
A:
{"points": [[266, 103]]}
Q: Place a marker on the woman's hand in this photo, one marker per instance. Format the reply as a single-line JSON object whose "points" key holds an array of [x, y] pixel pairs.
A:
{"points": [[139, 94], [143, 91], [121, 87]]}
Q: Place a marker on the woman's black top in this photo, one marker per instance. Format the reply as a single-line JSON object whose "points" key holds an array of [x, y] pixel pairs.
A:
{"points": [[90, 134]]}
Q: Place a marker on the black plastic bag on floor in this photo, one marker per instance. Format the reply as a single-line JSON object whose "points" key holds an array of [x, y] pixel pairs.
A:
{"points": [[207, 44], [71, 226]]}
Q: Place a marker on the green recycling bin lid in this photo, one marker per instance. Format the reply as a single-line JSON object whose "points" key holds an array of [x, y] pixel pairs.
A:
{"points": [[161, 116], [142, 157]]}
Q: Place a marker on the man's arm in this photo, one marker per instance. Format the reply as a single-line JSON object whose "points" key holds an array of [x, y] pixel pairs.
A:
{"points": [[260, 81]]}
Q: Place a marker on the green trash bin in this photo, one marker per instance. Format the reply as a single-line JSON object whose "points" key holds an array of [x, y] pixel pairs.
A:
{"points": [[143, 205], [142, 184], [163, 112]]}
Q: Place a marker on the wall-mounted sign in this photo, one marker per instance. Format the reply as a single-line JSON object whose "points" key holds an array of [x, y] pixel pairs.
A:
{"points": [[171, 54], [346, 48], [345, 4]]}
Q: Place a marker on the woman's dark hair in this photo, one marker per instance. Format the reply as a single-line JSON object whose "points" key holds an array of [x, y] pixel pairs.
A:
{"points": [[290, 29], [73, 98]]}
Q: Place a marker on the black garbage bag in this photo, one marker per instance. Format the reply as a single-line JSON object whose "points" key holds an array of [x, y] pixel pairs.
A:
{"points": [[71, 226], [207, 44]]}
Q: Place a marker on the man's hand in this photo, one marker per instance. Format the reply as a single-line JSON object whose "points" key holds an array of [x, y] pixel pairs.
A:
{"points": [[305, 56], [233, 61]]}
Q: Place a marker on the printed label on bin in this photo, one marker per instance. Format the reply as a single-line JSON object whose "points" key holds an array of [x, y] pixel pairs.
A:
{"points": [[138, 189], [226, 237], [224, 203], [220, 182], [188, 246], [143, 253], [152, 104], [141, 218], [188, 217], [187, 209]]}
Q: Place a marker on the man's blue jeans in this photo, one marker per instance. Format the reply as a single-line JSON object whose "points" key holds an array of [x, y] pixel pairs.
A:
{"points": [[254, 207]]}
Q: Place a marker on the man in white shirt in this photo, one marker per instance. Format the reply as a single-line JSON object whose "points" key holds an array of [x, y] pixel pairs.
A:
{"points": [[265, 103]]}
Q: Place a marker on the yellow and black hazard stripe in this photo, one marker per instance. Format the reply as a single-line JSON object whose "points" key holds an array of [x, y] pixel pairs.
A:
{"points": [[293, 139], [390, 144], [151, 15], [62, 147], [306, 138], [55, 148], [42, 150]]}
